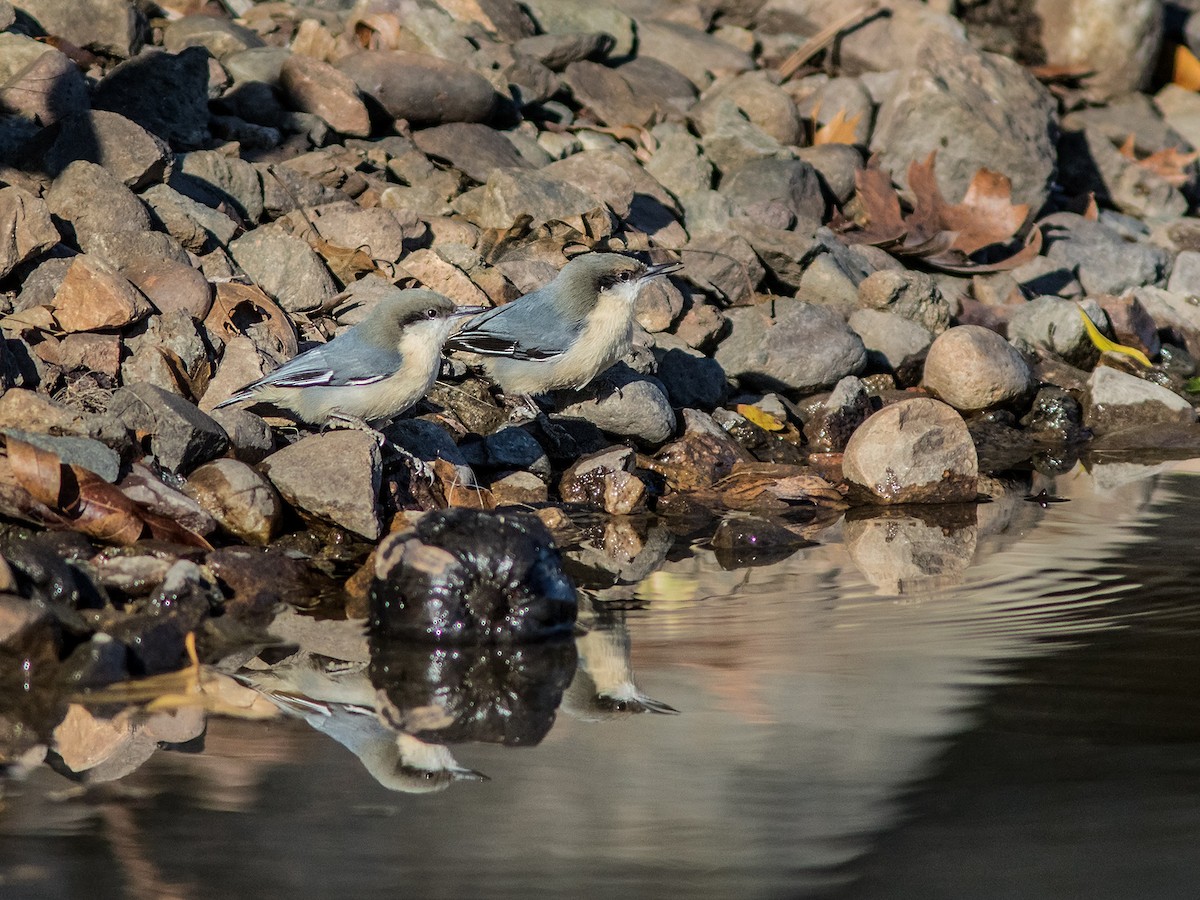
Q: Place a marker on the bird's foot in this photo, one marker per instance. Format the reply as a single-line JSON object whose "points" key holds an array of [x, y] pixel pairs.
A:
{"points": [[341, 420], [605, 385], [526, 410]]}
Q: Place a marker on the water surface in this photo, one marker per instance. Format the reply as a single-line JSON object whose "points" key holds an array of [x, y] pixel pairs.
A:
{"points": [[1004, 703]]}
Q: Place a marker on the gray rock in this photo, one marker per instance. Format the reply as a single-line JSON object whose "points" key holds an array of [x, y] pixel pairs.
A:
{"points": [[181, 437], [973, 368], [249, 436], [1104, 262], [421, 89], [93, 201], [284, 266], [623, 403], [221, 37], [261, 64], [607, 94], [557, 51], [693, 52], [213, 178], [1117, 401], [510, 194], [75, 451], [678, 163], [126, 150], [802, 347], [572, 17], [1185, 274], [614, 177], [913, 295], [378, 231], [692, 380], [167, 94], [846, 408], [731, 140], [760, 100], [846, 96], [1117, 41], [976, 110], [314, 86], [1044, 276], [121, 249], [789, 183], [1091, 164], [724, 264], [837, 164], [46, 90], [666, 87], [658, 305], [786, 254], [914, 451], [1135, 114], [474, 149], [30, 230], [110, 27], [91, 297], [829, 281], [197, 227], [878, 44], [242, 501], [892, 341], [604, 480], [1180, 108], [702, 324], [1054, 326], [334, 476]]}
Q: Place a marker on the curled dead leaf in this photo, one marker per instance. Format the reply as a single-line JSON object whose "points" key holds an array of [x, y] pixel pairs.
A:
{"points": [[944, 235]]}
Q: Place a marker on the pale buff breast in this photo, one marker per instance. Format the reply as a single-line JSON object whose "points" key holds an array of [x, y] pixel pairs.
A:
{"points": [[606, 338]]}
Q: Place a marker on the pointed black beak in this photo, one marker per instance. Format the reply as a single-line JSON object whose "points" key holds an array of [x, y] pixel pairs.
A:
{"points": [[468, 311], [657, 269]]}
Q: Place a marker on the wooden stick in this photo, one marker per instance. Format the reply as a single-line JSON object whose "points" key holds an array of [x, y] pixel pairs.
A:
{"points": [[825, 37]]}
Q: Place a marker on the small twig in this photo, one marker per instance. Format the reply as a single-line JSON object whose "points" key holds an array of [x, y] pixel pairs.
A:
{"points": [[825, 37]]}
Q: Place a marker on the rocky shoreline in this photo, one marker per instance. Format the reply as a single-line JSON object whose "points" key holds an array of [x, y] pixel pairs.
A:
{"points": [[910, 263]]}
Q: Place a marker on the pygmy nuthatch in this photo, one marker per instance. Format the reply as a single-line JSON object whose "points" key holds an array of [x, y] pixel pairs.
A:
{"points": [[564, 334], [372, 372]]}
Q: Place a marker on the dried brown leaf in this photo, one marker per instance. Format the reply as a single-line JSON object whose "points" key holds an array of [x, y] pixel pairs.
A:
{"points": [[944, 235], [238, 306], [102, 511], [1172, 165], [38, 471]]}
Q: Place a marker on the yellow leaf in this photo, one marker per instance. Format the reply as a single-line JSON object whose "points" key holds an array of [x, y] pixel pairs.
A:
{"points": [[763, 420], [1107, 346], [838, 130], [1185, 70]]}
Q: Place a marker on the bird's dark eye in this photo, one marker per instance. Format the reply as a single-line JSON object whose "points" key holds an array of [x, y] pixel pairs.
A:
{"points": [[431, 313], [611, 281]]}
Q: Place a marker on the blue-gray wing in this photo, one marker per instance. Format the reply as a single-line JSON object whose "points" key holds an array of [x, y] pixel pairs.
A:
{"points": [[526, 329], [345, 361]]}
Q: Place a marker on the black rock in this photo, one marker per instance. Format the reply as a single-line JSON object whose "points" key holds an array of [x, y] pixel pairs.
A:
{"points": [[463, 576]]}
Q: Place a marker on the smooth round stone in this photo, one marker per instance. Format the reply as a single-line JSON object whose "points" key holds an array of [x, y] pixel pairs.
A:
{"points": [[973, 368], [914, 451]]}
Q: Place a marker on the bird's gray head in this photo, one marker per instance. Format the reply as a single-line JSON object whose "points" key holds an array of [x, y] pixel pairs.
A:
{"points": [[425, 312], [586, 279]]}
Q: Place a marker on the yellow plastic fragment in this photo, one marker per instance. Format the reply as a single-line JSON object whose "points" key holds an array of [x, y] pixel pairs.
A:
{"points": [[762, 419], [1104, 345]]}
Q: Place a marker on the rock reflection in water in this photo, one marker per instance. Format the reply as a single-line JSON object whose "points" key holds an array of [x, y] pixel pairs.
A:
{"points": [[503, 695]]}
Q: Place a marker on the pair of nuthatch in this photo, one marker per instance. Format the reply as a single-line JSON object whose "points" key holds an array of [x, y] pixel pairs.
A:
{"points": [[560, 336]]}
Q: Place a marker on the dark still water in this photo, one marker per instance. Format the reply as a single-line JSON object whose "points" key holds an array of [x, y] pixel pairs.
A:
{"points": [[1001, 704]]}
